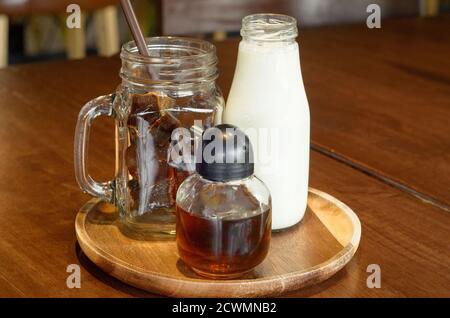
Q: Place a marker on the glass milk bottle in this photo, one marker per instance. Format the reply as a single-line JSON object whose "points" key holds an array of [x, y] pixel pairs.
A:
{"points": [[268, 101]]}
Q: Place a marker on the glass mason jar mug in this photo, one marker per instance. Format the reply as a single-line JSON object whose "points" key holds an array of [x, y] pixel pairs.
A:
{"points": [[172, 88]]}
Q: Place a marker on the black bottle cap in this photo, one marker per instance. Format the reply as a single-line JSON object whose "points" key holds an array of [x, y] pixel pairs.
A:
{"points": [[225, 154]]}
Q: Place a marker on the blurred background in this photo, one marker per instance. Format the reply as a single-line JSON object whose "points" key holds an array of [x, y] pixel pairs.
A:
{"points": [[35, 30]]}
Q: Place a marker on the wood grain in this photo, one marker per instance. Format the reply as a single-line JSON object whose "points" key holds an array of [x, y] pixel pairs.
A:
{"points": [[407, 237], [309, 253], [387, 101], [379, 100]]}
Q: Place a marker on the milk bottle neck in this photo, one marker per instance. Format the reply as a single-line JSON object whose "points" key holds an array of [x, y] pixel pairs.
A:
{"points": [[268, 52], [269, 30]]}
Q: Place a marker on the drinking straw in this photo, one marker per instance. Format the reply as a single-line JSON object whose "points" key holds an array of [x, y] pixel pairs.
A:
{"points": [[136, 31], [134, 27]]}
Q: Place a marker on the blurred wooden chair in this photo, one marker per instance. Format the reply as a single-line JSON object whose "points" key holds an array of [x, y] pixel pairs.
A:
{"points": [[105, 16], [188, 17], [429, 7]]}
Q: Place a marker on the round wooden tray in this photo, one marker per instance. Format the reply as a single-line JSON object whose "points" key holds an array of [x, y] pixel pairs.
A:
{"points": [[311, 252]]}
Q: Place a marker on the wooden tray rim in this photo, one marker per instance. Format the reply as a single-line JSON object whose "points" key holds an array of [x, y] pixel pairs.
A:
{"points": [[288, 281]]}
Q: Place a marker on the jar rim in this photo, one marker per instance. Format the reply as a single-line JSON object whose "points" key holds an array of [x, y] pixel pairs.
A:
{"points": [[186, 47], [173, 61]]}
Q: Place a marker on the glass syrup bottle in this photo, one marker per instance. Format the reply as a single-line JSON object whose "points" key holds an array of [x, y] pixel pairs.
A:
{"points": [[223, 210]]}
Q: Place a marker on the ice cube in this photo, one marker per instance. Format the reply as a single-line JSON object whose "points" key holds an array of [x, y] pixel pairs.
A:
{"points": [[163, 187], [144, 106], [133, 186], [142, 102], [131, 161], [163, 127]]}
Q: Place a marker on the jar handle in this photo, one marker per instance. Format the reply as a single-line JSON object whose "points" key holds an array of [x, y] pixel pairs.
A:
{"points": [[101, 106]]}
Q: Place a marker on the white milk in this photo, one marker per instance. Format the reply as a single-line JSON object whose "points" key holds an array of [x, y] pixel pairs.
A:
{"points": [[268, 93]]}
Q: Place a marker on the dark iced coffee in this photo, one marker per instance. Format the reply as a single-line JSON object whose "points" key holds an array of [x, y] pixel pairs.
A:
{"points": [[153, 178]]}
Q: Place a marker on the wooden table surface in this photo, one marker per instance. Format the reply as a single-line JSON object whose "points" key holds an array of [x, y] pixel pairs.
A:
{"points": [[380, 110]]}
